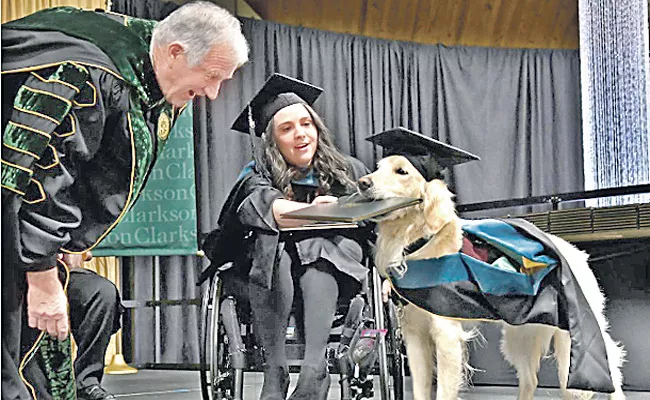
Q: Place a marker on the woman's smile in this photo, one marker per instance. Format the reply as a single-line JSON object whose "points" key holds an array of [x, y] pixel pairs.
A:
{"points": [[295, 134]]}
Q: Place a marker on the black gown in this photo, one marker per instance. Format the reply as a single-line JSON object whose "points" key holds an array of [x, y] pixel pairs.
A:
{"points": [[248, 235], [83, 119]]}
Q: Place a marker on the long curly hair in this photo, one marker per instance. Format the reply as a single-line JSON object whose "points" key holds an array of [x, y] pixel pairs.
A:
{"points": [[331, 166]]}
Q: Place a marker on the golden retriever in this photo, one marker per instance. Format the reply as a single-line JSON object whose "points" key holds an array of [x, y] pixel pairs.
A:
{"points": [[430, 338]]}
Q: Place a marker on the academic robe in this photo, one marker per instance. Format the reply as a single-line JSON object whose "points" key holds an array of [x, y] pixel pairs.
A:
{"points": [[83, 119]]}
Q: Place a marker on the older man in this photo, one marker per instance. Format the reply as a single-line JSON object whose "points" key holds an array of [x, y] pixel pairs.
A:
{"points": [[88, 100]]}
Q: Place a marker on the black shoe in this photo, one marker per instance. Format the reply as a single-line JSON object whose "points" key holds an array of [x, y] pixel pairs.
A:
{"points": [[93, 392]]}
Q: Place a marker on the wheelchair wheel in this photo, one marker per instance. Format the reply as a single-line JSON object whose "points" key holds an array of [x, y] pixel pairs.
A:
{"points": [[213, 354], [395, 346], [391, 365]]}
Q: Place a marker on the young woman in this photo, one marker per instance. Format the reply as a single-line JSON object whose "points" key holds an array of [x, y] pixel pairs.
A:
{"points": [[298, 165]]}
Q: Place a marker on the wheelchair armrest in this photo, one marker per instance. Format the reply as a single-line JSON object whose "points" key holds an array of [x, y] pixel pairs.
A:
{"points": [[212, 270]]}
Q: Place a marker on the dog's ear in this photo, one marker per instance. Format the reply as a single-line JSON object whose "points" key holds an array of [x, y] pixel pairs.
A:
{"points": [[439, 207]]}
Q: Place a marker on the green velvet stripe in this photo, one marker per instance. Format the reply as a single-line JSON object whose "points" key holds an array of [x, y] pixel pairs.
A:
{"points": [[47, 96], [57, 362], [15, 179], [129, 52], [144, 145], [40, 103], [144, 28], [25, 139], [141, 27], [143, 149], [73, 74]]}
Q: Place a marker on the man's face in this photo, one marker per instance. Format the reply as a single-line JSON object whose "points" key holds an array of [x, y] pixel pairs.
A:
{"points": [[180, 83]]}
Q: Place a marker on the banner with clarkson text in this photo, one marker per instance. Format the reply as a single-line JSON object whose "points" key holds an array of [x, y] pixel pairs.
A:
{"points": [[163, 220]]}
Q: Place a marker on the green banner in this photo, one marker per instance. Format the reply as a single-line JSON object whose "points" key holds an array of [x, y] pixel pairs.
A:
{"points": [[163, 220]]}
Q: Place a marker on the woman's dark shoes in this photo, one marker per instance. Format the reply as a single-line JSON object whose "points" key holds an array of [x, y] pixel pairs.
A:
{"points": [[313, 383], [276, 383], [93, 392]]}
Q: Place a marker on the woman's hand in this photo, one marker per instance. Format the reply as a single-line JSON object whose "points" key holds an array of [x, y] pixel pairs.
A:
{"points": [[282, 206], [325, 199]]}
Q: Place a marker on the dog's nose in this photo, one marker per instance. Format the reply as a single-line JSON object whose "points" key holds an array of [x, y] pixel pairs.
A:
{"points": [[364, 183]]}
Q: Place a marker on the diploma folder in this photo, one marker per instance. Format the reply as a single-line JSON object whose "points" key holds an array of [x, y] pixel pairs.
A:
{"points": [[322, 225], [352, 211]]}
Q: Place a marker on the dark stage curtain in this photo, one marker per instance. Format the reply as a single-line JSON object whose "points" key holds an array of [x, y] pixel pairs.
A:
{"points": [[517, 109], [148, 9]]}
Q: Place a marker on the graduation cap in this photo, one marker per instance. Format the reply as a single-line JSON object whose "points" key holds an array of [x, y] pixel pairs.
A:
{"points": [[278, 92], [429, 156]]}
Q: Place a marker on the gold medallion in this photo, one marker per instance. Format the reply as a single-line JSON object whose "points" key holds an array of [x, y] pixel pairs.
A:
{"points": [[163, 126]]}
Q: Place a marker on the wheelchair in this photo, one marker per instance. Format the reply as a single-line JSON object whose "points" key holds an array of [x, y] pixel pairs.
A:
{"points": [[365, 341]]}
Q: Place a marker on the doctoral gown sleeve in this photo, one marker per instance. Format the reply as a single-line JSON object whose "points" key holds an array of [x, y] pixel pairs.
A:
{"points": [[255, 213], [45, 215]]}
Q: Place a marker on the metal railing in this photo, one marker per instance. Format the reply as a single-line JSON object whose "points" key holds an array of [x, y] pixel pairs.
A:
{"points": [[581, 224]]}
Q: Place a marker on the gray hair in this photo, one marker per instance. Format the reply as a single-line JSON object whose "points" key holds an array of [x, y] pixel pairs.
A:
{"points": [[198, 27]]}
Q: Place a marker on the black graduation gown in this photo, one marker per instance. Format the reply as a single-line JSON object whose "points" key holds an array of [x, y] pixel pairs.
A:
{"points": [[97, 157], [81, 128], [248, 235]]}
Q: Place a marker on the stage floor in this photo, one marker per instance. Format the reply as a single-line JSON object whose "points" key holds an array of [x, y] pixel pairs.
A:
{"points": [[184, 385]]}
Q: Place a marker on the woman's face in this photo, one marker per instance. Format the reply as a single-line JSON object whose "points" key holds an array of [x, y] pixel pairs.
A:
{"points": [[296, 135]]}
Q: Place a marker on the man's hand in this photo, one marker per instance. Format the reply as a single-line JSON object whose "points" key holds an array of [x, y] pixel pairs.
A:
{"points": [[75, 260], [47, 305], [324, 200]]}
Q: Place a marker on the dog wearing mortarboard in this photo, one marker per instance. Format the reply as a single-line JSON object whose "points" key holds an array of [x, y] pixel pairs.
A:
{"points": [[538, 286]]}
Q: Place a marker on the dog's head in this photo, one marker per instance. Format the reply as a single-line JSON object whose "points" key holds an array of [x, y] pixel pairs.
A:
{"points": [[395, 176]]}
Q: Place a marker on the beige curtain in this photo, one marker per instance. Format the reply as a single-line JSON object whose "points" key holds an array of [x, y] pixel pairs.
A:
{"points": [[14, 9]]}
